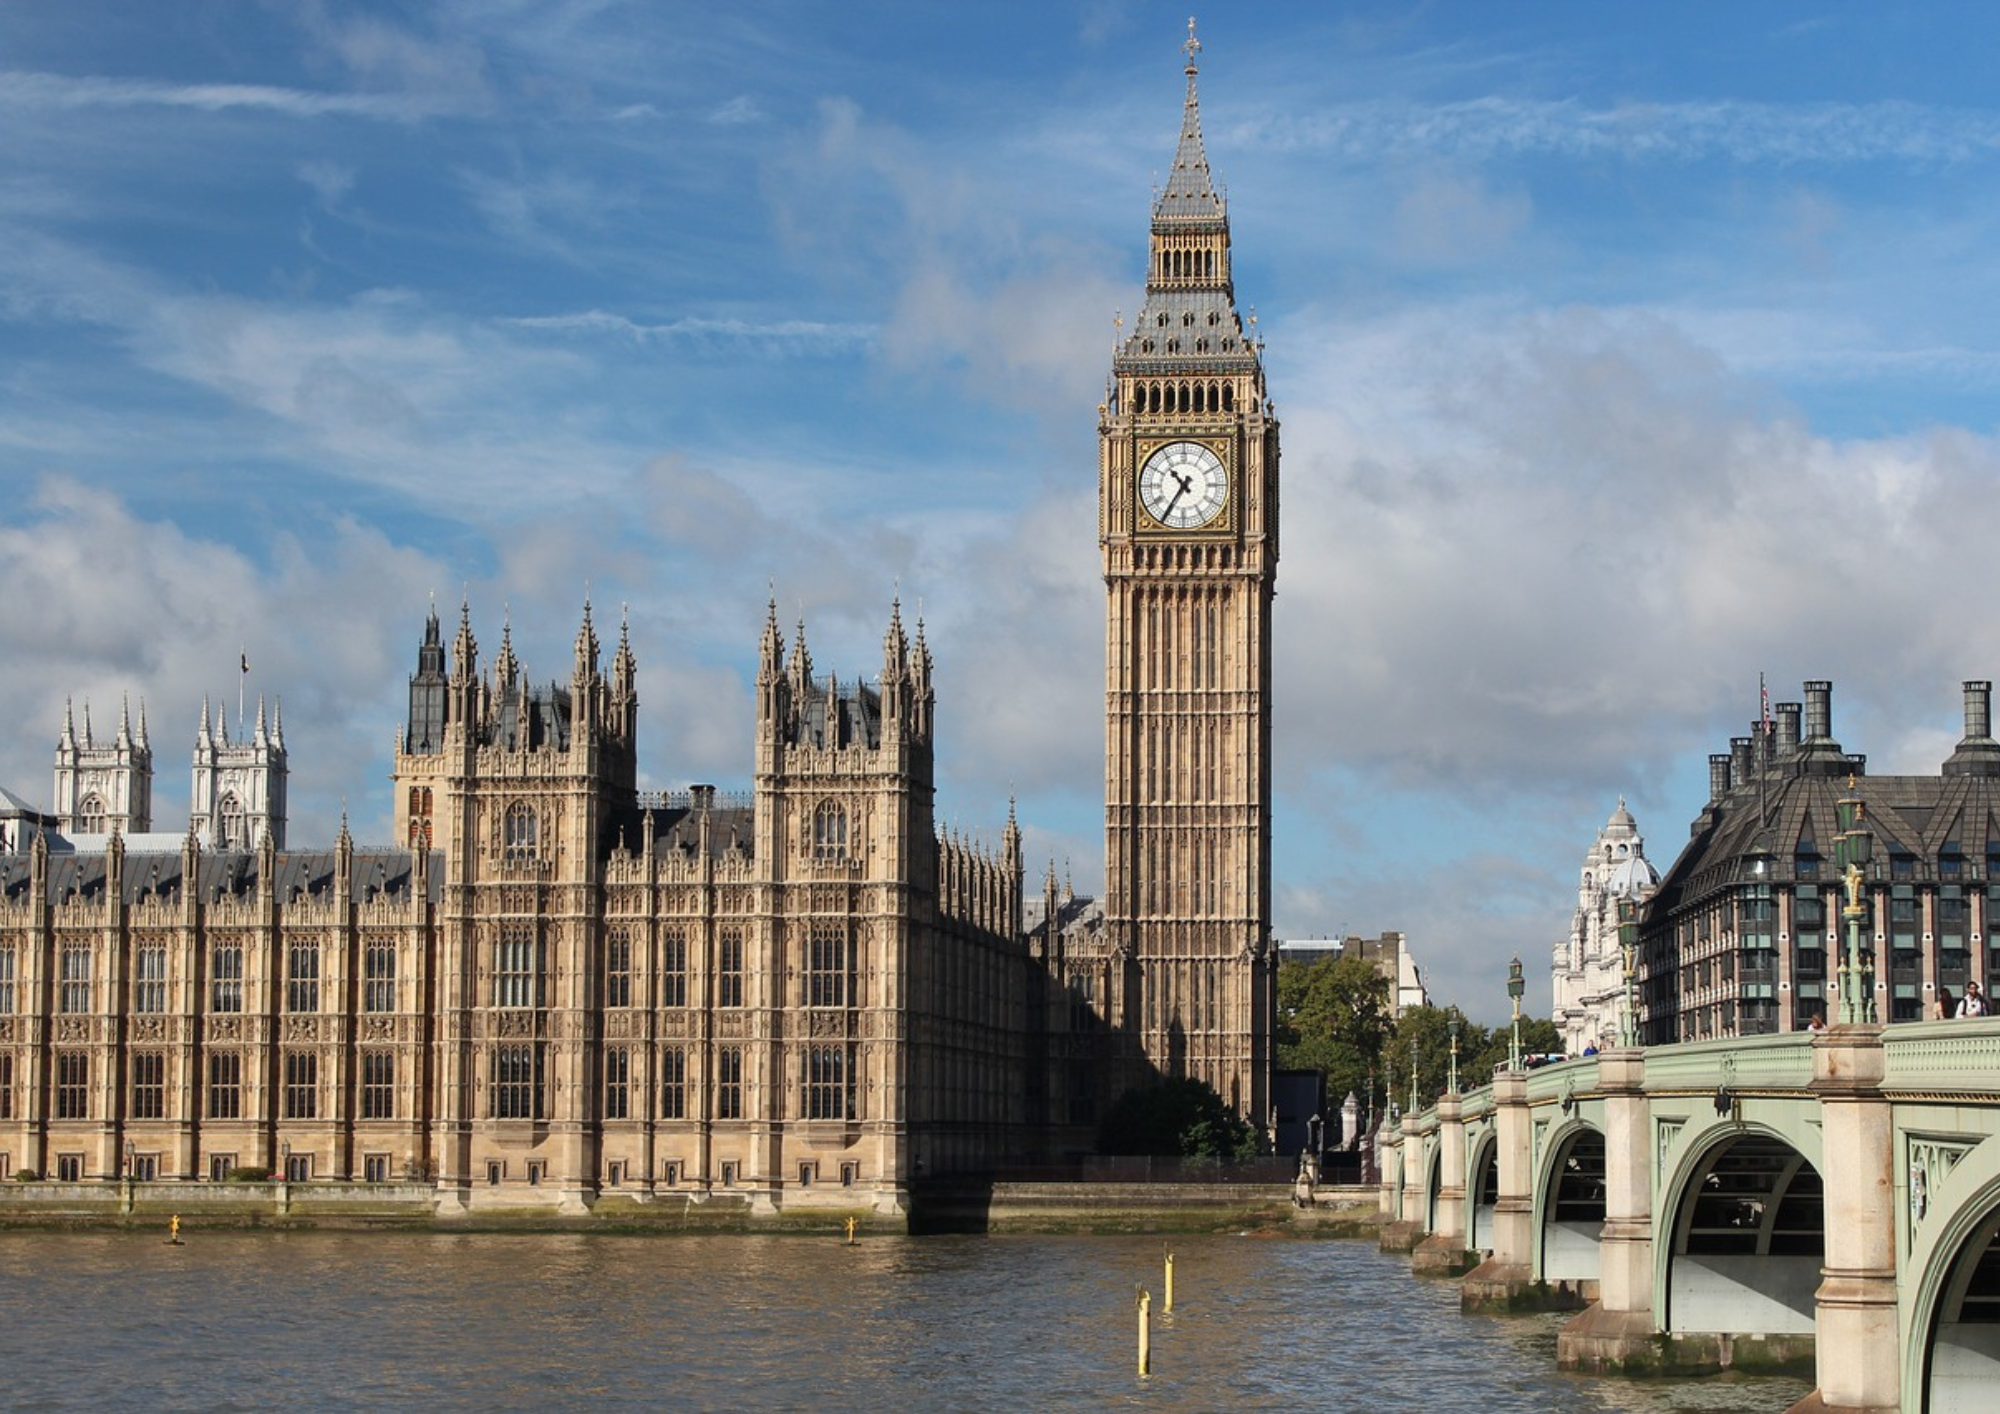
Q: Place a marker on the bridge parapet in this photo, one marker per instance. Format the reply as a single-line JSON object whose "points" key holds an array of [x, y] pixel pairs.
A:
{"points": [[1782, 1063], [1942, 1057], [1547, 1084]]}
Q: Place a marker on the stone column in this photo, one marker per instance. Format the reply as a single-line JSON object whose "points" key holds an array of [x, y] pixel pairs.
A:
{"points": [[1620, 1326], [1502, 1280], [1859, 1364], [1406, 1231], [1443, 1252]]}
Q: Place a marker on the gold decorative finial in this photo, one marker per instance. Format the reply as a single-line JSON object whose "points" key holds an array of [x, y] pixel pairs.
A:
{"points": [[1193, 45]]}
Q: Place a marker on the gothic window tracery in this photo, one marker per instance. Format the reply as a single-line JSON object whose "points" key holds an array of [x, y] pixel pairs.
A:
{"points": [[90, 814], [231, 831], [829, 832], [521, 833]]}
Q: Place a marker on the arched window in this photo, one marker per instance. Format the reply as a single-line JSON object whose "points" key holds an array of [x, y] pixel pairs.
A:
{"points": [[521, 837], [829, 831], [90, 815], [230, 835]]}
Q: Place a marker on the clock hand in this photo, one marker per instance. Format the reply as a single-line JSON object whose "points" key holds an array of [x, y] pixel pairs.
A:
{"points": [[1185, 485]]}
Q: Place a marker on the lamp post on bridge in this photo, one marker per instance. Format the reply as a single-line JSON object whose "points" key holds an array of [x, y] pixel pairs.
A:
{"points": [[1628, 944], [1452, 1086], [1852, 850], [1516, 985]]}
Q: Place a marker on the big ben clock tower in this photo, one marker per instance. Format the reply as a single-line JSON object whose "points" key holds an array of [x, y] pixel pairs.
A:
{"points": [[1188, 525]]}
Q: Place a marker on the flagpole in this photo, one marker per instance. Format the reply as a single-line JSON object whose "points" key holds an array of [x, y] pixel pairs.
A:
{"points": [[242, 676]]}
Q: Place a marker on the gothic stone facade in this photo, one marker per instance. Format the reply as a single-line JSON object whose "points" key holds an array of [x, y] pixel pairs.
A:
{"points": [[555, 988], [1188, 528]]}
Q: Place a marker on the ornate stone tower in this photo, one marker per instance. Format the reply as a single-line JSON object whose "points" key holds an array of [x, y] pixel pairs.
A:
{"points": [[104, 789], [1188, 525], [239, 787]]}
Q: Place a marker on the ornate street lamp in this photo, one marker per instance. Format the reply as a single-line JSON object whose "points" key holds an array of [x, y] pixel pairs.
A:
{"points": [[1516, 984], [1453, 1086], [1852, 850], [1628, 944], [1413, 1080]]}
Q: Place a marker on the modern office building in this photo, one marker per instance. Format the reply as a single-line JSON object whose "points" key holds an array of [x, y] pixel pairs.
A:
{"points": [[1745, 933]]}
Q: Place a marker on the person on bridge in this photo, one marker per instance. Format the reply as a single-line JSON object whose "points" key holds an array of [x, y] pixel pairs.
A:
{"points": [[1973, 1003], [1943, 1008]]}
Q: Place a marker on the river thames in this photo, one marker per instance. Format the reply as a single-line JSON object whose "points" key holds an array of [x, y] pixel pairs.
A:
{"points": [[326, 1320]]}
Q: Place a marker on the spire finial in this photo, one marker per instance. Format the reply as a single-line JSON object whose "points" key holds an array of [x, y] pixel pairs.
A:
{"points": [[1193, 45]]}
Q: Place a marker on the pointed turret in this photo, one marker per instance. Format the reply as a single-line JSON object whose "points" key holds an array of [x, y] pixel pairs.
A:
{"points": [[142, 743], [201, 736], [802, 673], [124, 740], [506, 668], [278, 723], [464, 648], [67, 741], [261, 737], [624, 670], [585, 670]]}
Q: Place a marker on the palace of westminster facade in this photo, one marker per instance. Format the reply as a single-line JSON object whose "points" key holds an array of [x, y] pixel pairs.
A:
{"points": [[554, 988]]}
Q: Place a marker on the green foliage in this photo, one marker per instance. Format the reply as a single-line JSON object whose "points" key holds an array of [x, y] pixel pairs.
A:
{"points": [[1424, 1033], [1182, 1117], [248, 1174], [26, 1176], [1334, 1016]]}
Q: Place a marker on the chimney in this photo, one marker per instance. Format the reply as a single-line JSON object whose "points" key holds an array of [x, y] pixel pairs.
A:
{"points": [[1741, 759], [1718, 777], [1788, 727], [1978, 711], [1819, 712], [1979, 753], [701, 798]]}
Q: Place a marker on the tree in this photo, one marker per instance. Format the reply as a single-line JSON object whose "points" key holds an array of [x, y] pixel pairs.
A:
{"points": [[1539, 1037], [1335, 1016], [1423, 1035], [1183, 1117]]}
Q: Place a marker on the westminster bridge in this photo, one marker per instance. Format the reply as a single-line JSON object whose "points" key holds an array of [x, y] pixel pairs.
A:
{"points": [[1826, 1198]]}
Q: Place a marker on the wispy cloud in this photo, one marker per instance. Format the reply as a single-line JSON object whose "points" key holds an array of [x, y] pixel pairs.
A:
{"points": [[1734, 131], [790, 336], [41, 91]]}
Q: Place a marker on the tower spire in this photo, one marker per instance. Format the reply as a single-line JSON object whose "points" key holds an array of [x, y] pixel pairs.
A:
{"points": [[1190, 190]]}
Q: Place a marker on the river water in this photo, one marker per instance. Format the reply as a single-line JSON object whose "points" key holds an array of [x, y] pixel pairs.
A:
{"points": [[265, 1321]]}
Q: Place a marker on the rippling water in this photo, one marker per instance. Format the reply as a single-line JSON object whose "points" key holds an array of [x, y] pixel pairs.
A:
{"points": [[262, 1321]]}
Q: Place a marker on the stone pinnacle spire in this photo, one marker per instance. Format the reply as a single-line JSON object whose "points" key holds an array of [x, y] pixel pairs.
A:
{"points": [[1189, 194]]}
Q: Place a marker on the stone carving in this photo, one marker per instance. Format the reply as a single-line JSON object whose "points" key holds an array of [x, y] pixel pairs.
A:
{"points": [[1930, 1163], [1669, 1133], [72, 1029], [301, 1029]]}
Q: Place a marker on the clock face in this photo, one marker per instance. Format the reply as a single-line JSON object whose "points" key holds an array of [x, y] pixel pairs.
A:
{"points": [[1183, 486]]}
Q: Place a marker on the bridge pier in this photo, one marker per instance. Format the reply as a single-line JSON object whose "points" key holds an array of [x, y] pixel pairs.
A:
{"points": [[1444, 1252], [1506, 1281], [1405, 1229], [1618, 1332], [1857, 1356]]}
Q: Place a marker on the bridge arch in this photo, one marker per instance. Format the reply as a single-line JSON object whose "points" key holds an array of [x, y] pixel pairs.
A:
{"points": [[1433, 1181], [1571, 1204], [1742, 1233], [1482, 1190], [1954, 1332]]}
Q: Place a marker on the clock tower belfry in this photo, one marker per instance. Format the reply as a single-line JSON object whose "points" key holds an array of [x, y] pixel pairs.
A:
{"points": [[1188, 526]]}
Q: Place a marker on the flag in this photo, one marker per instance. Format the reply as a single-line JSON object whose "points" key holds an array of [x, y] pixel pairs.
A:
{"points": [[246, 660], [1764, 702]]}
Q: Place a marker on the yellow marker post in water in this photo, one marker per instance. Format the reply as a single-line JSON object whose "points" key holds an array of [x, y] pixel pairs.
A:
{"points": [[1145, 1334], [1167, 1306]]}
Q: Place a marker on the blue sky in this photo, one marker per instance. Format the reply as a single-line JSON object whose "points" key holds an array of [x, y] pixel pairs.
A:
{"points": [[1623, 353]]}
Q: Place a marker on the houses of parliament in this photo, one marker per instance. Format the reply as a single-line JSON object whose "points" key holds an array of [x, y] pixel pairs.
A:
{"points": [[557, 990]]}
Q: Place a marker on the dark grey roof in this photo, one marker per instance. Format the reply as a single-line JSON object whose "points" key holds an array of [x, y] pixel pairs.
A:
{"points": [[233, 874]]}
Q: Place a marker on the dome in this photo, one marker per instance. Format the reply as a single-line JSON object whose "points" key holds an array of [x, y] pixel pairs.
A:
{"points": [[1632, 877]]}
